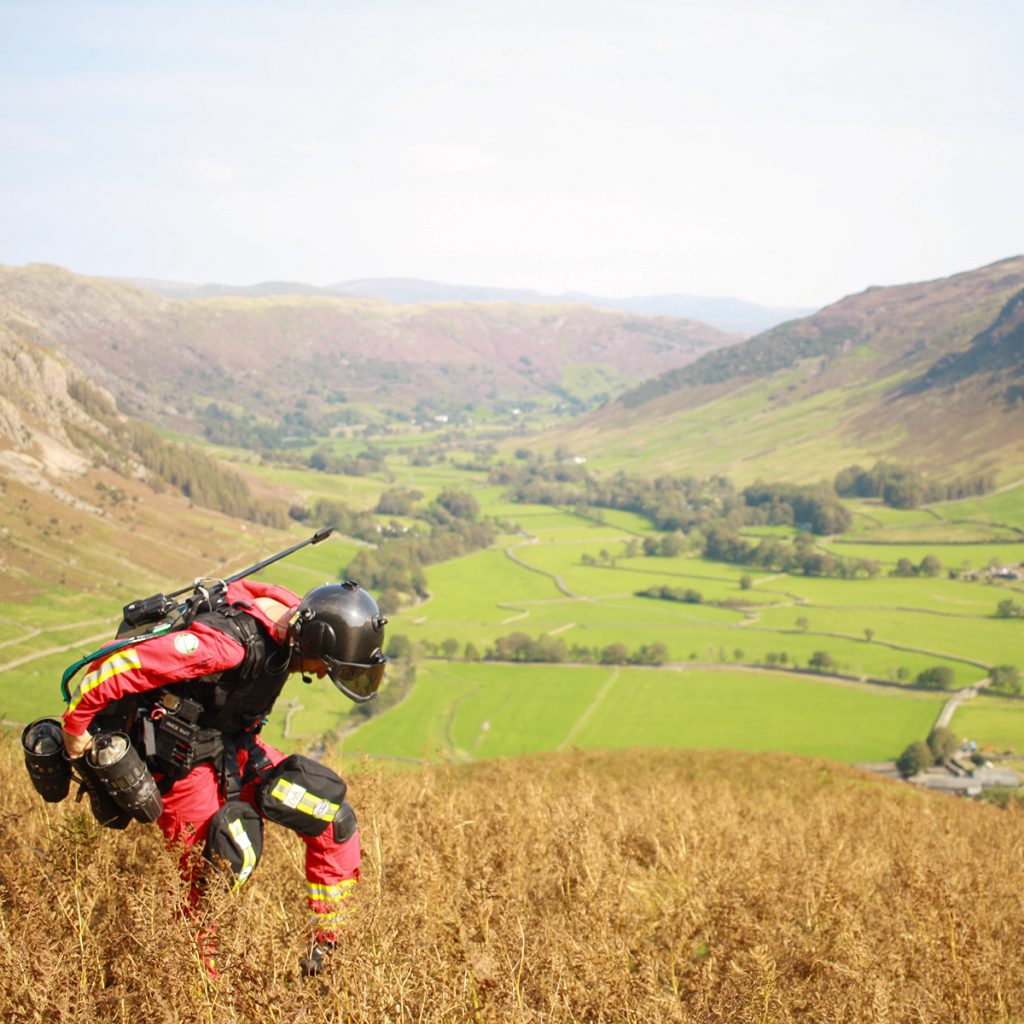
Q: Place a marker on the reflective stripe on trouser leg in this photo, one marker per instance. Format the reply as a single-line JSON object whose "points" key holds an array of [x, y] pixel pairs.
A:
{"points": [[328, 906]]}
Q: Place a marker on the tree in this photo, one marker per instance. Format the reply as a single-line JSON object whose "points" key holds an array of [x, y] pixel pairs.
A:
{"points": [[915, 758], [940, 677], [930, 566], [904, 567], [802, 624], [1006, 679], [1009, 609], [822, 661], [869, 634], [449, 647], [614, 654], [399, 646], [672, 544], [458, 503], [942, 742], [471, 653], [746, 582]]}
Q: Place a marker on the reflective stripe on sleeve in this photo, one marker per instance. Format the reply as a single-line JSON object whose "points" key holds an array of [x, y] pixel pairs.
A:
{"points": [[121, 661]]}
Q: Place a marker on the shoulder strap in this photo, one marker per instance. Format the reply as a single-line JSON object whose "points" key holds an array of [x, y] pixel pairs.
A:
{"points": [[72, 670], [245, 629]]}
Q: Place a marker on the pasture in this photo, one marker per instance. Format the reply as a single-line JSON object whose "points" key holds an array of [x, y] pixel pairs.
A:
{"points": [[461, 712], [568, 575]]}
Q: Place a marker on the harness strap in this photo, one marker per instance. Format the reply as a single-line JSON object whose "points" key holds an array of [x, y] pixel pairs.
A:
{"points": [[257, 764], [246, 631]]}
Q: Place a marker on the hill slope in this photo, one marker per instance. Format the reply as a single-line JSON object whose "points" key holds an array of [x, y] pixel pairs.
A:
{"points": [[727, 314], [647, 886], [298, 359], [93, 500], [928, 373]]}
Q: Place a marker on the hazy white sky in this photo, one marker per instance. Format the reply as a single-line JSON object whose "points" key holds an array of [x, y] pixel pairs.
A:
{"points": [[781, 152]]}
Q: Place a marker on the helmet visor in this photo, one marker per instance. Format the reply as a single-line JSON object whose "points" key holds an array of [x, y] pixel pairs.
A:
{"points": [[357, 681]]}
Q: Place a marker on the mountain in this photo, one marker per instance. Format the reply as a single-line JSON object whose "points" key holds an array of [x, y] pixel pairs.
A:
{"points": [[929, 373], [93, 501], [303, 361], [727, 314], [731, 315]]}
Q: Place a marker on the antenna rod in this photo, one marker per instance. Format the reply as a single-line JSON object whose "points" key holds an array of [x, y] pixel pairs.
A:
{"points": [[322, 534]]}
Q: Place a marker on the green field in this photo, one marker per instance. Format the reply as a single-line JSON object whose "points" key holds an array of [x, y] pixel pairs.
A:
{"points": [[464, 712], [996, 723], [565, 575]]}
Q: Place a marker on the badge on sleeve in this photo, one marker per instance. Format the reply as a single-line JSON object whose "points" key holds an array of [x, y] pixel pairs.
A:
{"points": [[186, 643]]}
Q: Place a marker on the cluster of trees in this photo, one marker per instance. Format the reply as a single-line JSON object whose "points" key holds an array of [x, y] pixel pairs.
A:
{"points": [[724, 544], [395, 568], [328, 512], [770, 352], [124, 444], [299, 425], [928, 566], [398, 501], [901, 487], [676, 504], [521, 647], [1009, 609], [201, 478], [941, 744], [367, 462], [686, 595], [814, 509]]}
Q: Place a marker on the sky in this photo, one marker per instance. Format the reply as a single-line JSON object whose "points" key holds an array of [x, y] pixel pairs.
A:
{"points": [[786, 153]]}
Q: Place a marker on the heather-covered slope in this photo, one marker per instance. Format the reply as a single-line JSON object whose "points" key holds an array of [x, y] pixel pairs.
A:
{"points": [[300, 359], [929, 374], [648, 886]]}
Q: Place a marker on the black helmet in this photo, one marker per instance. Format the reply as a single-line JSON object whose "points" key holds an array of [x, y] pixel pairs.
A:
{"points": [[341, 625]]}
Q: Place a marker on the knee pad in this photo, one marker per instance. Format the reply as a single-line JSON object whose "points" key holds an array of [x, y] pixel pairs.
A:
{"points": [[235, 839], [302, 795], [344, 823]]}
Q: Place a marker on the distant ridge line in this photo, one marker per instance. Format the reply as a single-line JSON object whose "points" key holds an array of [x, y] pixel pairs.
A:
{"points": [[723, 312]]}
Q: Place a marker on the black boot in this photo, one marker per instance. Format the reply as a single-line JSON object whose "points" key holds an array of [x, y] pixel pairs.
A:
{"points": [[316, 962]]}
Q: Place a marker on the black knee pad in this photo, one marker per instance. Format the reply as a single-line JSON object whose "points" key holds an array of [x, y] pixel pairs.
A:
{"points": [[344, 823], [302, 795], [235, 839]]}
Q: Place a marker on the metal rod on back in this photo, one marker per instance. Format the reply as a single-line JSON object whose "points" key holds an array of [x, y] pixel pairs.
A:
{"points": [[153, 612], [322, 534]]}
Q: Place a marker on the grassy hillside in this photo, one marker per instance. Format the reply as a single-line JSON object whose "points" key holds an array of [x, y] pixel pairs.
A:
{"points": [[929, 374], [281, 366], [653, 886]]}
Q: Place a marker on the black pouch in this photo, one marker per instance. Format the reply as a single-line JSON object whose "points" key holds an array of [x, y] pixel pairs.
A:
{"points": [[235, 838], [302, 795]]}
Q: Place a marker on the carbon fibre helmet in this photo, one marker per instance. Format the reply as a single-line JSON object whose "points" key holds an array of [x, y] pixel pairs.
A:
{"points": [[340, 625]]}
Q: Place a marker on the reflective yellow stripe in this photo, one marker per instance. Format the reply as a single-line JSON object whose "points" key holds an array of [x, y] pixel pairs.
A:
{"points": [[330, 893], [244, 844], [120, 661], [333, 916], [291, 794]]}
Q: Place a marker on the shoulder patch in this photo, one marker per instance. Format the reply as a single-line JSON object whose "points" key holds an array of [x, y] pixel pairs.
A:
{"points": [[186, 643]]}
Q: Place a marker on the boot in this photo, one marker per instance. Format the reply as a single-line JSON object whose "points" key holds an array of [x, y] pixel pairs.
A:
{"points": [[316, 962]]}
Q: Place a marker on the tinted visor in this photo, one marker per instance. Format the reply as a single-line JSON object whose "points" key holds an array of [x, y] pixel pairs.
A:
{"points": [[358, 682]]}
